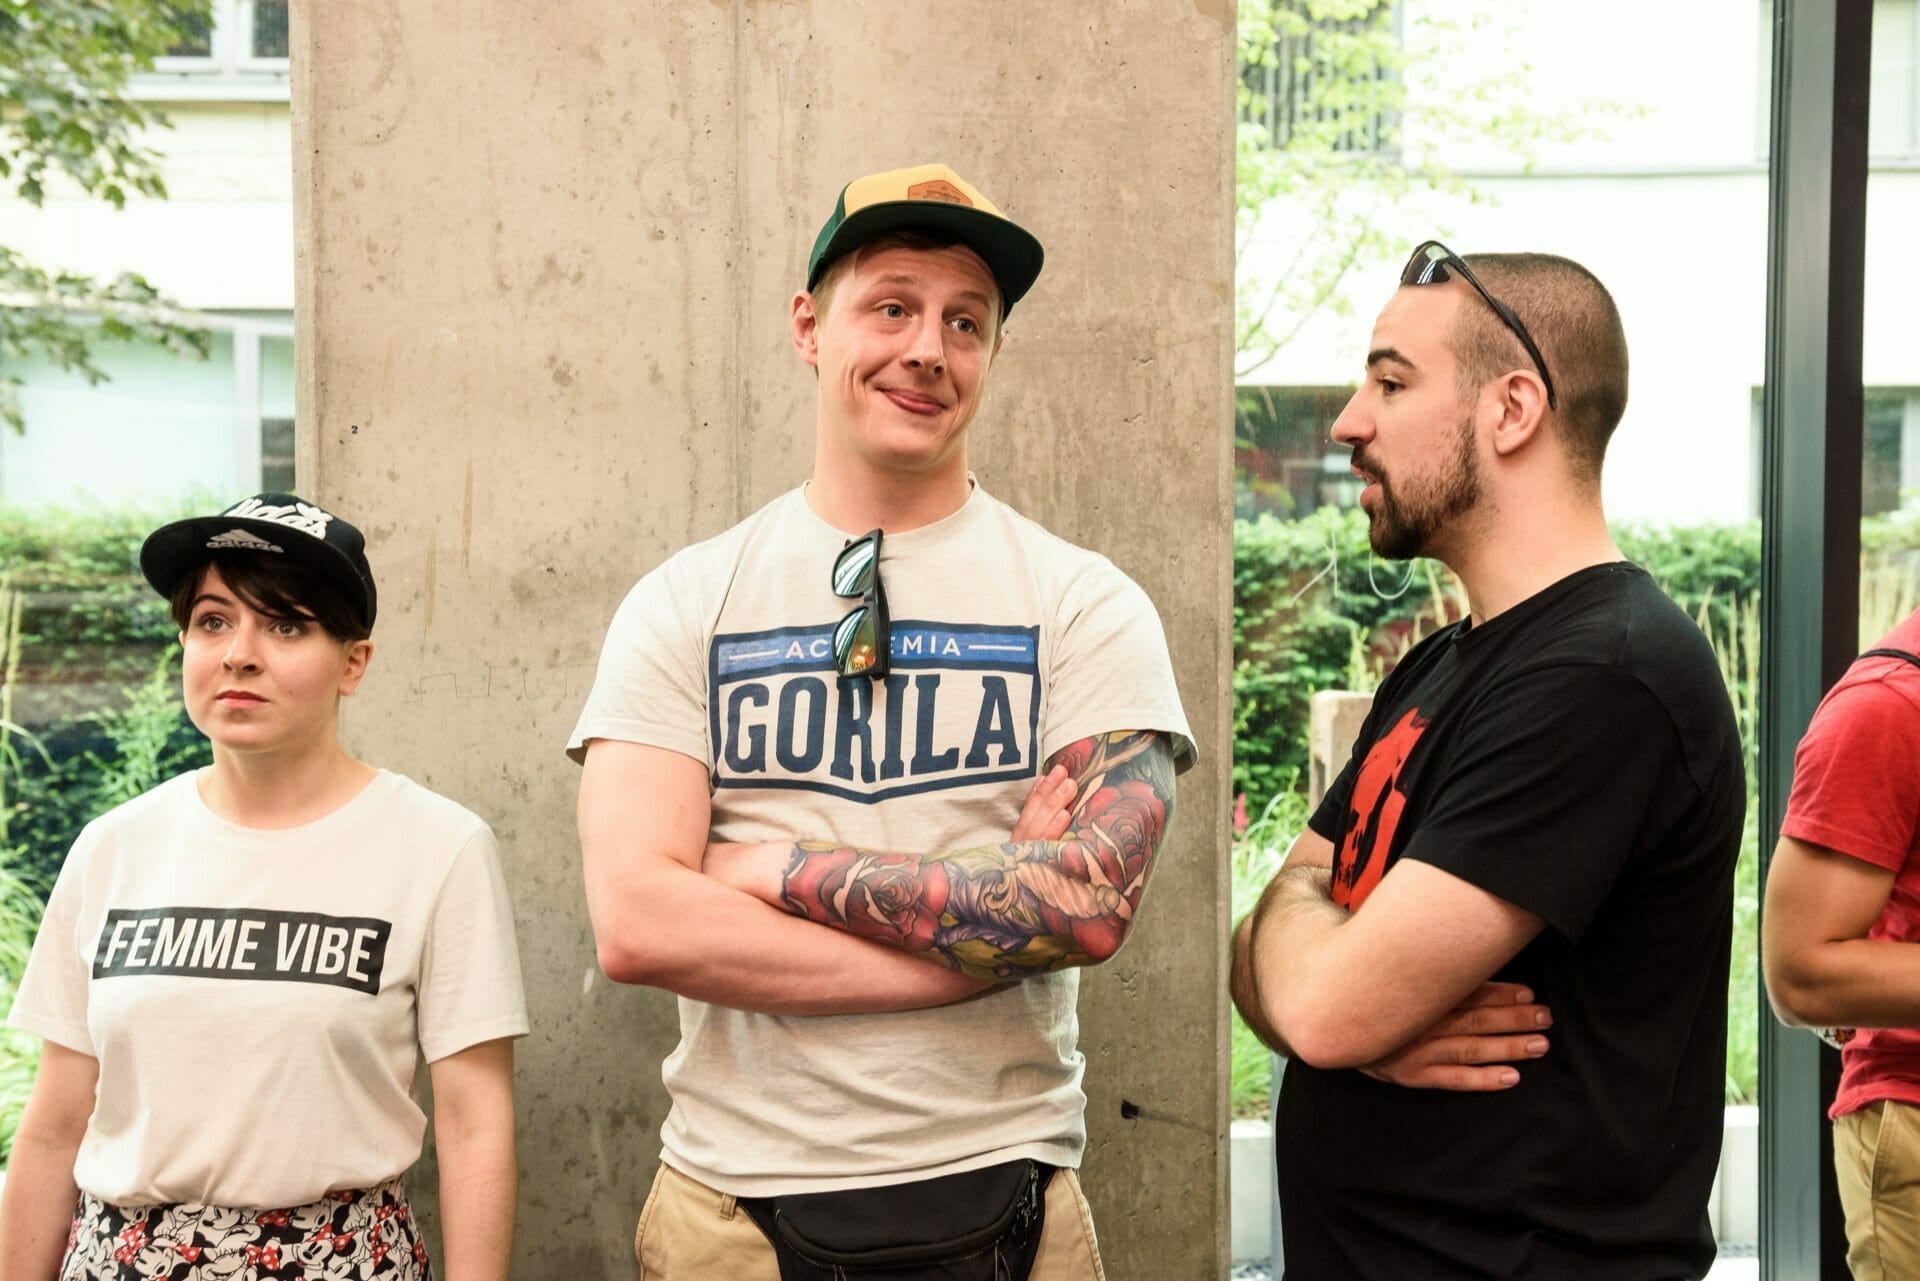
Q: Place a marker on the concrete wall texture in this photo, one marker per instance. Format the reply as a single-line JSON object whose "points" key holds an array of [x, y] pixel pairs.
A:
{"points": [[544, 260]]}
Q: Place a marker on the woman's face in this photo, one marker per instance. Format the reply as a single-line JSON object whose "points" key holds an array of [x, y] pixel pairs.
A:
{"points": [[255, 683]]}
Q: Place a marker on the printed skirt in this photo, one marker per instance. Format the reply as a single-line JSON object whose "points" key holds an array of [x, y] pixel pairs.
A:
{"points": [[364, 1235]]}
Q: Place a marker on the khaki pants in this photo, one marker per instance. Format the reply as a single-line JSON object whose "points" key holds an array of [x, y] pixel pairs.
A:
{"points": [[690, 1232], [1876, 1161]]}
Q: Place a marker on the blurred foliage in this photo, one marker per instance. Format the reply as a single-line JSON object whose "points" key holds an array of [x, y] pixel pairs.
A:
{"points": [[65, 115], [1354, 148], [90, 716]]}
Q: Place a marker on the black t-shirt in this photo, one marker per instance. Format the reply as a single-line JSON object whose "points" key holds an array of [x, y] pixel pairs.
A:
{"points": [[1576, 756]]}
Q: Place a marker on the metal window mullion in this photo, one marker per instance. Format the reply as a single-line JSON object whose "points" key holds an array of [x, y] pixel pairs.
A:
{"points": [[246, 405], [1913, 83], [1810, 537]]}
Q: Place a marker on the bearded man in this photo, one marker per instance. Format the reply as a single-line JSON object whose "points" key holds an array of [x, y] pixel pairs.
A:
{"points": [[1537, 828]]}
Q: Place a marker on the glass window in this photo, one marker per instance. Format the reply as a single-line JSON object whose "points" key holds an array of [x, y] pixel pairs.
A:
{"points": [[1893, 127], [235, 43], [195, 31], [276, 412], [1546, 171], [269, 29], [1283, 462], [1330, 80]]}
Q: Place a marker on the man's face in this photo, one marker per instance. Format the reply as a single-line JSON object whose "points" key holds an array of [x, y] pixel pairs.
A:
{"points": [[903, 353], [1411, 429]]}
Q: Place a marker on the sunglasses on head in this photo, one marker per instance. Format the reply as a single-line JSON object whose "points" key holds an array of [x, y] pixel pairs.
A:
{"points": [[862, 639], [1430, 265]]}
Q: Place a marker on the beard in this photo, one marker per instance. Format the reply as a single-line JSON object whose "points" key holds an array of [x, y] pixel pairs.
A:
{"points": [[1404, 525]]}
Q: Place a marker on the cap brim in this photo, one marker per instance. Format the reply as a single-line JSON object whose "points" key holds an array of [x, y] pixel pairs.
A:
{"points": [[1011, 252], [173, 551]]}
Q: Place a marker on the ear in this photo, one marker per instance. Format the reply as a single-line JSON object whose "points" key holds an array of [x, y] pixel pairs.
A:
{"points": [[359, 654], [1521, 401], [804, 324]]}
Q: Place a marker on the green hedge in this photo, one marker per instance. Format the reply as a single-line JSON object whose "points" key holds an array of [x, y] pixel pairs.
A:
{"points": [[1314, 609]]}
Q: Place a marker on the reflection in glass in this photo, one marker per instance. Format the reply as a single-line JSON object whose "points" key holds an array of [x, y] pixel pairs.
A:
{"points": [[269, 28], [195, 31]]}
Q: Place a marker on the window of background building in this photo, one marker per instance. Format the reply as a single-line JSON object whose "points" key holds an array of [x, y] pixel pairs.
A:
{"points": [[1893, 125], [1324, 75], [276, 412], [1284, 463], [241, 36], [1889, 450], [162, 426]]}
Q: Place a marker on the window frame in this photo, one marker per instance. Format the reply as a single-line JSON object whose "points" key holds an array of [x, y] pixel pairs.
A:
{"points": [[228, 71]]}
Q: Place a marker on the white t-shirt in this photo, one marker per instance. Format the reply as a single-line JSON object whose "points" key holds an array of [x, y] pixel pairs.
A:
{"points": [[1008, 644], [259, 1000]]}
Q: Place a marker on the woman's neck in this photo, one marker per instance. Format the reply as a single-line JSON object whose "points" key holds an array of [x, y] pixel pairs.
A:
{"points": [[282, 789]]}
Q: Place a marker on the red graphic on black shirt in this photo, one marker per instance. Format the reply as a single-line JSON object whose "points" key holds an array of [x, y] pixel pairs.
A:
{"points": [[1374, 809]]}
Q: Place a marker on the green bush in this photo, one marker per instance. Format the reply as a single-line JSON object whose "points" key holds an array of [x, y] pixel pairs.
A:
{"points": [[92, 670], [1313, 609]]}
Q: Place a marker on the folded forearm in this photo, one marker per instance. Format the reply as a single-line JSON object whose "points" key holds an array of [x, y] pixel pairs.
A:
{"points": [[1851, 983], [699, 938], [1278, 959], [996, 911], [1244, 987]]}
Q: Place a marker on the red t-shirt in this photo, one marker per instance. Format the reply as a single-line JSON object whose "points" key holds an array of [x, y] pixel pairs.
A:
{"points": [[1856, 790]]}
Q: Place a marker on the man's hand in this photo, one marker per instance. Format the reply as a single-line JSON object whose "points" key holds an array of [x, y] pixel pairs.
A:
{"points": [[1470, 1048], [1048, 810]]}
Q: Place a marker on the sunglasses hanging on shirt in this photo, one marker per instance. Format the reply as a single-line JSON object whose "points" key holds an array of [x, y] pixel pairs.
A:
{"points": [[862, 639]]}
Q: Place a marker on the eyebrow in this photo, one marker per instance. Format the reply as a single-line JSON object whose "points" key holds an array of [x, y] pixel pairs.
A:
{"points": [[1379, 354], [208, 596], [972, 295]]}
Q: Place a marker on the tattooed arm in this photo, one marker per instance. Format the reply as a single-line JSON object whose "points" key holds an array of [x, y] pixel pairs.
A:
{"points": [[1004, 911], [644, 815]]}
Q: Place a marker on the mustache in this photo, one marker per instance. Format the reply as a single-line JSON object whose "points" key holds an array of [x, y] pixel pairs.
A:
{"points": [[1365, 462]]}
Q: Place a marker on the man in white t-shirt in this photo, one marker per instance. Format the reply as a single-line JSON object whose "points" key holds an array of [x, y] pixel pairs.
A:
{"points": [[889, 756]]}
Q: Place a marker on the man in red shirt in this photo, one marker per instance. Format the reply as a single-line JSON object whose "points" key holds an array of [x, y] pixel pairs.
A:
{"points": [[1842, 903]]}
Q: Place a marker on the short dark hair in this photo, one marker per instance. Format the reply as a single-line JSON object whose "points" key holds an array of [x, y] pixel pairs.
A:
{"points": [[277, 589], [1576, 325], [822, 293]]}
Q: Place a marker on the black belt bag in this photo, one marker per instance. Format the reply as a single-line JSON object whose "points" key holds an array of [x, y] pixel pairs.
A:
{"points": [[983, 1225]]}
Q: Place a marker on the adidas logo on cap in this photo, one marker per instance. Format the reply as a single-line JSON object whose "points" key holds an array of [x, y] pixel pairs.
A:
{"points": [[241, 540]]}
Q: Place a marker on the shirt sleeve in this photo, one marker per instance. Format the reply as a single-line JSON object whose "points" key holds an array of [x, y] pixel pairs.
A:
{"points": [[651, 686], [1110, 669], [470, 974], [1325, 820], [1549, 789], [1856, 775], [52, 1000]]}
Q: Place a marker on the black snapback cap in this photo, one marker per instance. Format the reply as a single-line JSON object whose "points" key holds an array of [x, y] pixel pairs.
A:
{"points": [[268, 525]]}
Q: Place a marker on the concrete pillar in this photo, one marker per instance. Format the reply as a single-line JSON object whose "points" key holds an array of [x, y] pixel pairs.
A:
{"points": [[544, 261]]}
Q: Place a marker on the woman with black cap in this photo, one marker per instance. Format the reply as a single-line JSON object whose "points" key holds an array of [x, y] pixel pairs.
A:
{"points": [[239, 971]]}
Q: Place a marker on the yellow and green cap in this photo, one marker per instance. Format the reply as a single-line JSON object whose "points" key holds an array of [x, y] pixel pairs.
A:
{"points": [[933, 199]]}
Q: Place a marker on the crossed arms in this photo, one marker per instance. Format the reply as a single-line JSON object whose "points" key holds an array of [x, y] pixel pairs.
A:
{"points": [[1400, 988], [1821, 968], [740, 925]]}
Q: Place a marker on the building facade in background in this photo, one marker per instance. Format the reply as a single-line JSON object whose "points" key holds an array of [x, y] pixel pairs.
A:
{"points": [[166, 426], [1646, 160]]}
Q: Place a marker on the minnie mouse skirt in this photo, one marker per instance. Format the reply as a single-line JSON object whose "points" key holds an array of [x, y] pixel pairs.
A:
{"points": [[353, 1235]]}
